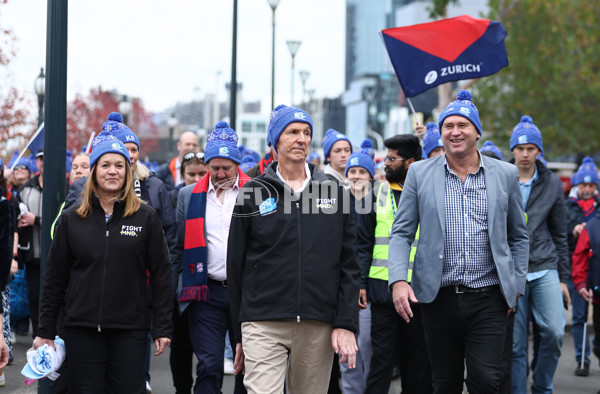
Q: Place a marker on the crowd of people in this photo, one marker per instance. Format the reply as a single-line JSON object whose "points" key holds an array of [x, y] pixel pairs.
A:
{"points": [[310, 277]]}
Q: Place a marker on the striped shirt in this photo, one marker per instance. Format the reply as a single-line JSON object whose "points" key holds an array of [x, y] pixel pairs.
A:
{"points": [[468, 259]]}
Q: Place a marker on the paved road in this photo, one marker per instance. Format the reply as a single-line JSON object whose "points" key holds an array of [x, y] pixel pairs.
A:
{"points": [[565, 381]]}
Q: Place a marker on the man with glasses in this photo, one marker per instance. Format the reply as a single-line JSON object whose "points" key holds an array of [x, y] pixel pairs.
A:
{"points": [[393, 339], [471, 261]]}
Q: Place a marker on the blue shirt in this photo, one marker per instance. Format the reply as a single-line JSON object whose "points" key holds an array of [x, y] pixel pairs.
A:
{"points": [[525, 192], [468, 259]]}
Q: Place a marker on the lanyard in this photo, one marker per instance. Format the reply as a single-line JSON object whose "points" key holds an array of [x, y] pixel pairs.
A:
{"points": [[393, 199]]}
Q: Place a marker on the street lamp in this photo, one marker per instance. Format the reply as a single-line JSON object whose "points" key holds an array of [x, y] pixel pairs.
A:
{"points": [[172, 122], [293, 46], [39, 85], [125, 108], [273, 4], [303, 77]]}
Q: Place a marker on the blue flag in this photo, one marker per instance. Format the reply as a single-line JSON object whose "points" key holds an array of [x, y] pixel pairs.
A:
{"points": [[430, 54]]}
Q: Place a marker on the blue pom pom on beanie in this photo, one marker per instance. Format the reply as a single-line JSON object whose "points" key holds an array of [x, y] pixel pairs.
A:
{"points": [[331, 137], [222, 142], [119, 130], [281, 117], [587, 172], [105, 143], [367, 147], [462, 106], [489, 146]]}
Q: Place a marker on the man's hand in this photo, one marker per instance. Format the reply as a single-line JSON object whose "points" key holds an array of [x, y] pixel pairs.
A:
{"points": [[362, 299], [402, 293], [239, 364], [27, 219], [578, 229], [420, 130], [14, 267], [161, 344], [344, 342], [586, 294], [39, 342], [565, 292]]}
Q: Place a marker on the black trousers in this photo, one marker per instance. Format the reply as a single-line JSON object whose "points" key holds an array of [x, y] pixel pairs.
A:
{"points": [[109, 361], [393, 339], [465, 328], [181, 357]]}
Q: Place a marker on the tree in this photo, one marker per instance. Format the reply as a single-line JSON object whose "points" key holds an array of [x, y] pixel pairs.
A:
{"points": [[87, 114], [553, 75], [16, 123]]}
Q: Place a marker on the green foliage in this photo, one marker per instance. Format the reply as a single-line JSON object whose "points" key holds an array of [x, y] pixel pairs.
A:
{"points": [[439, 7], [553, 75]]}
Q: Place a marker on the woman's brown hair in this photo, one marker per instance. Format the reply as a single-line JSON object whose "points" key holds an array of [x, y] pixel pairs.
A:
{"points": [[127, 195]]}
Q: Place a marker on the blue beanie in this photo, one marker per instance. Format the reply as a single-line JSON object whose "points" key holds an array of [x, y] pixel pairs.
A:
{"points": [[2, 163], [331, 137], [24, 161], [432, 139], [463, 106], [313, 155], [105, 143], [119, 130], [367, 147], [489, 146], [361, 159], [526, 132], [222, 142], [247, 163], [587, 172], [281, 117]]}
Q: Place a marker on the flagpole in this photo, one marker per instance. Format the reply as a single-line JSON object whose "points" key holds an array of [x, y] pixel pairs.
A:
{"points": [[412, 109], [88, 147], [27, 146]]}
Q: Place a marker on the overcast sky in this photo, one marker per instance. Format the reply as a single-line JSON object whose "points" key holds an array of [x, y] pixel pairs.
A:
{"points": [[169, 51]]}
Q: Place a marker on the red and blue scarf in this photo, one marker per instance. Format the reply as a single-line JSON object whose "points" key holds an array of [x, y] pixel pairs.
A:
{"points": [[195, 273]]}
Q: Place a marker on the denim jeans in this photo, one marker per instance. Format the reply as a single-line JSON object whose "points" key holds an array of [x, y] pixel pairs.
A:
{"points": [[579, 317], [544, 298]]}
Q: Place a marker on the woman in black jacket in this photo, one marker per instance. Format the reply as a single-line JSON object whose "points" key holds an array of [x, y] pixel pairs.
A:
{"points": [[97, 264]]}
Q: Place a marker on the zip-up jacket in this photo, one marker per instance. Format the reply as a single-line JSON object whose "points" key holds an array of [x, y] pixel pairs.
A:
{"points": [[30, 241], [547, 225], [99, 269], [293, 256]]}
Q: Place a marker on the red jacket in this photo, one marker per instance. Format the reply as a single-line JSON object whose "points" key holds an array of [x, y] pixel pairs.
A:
{"points": [[579, 269]]}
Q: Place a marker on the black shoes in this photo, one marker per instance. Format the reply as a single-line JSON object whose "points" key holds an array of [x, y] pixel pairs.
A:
{"points": [[585, 371]]}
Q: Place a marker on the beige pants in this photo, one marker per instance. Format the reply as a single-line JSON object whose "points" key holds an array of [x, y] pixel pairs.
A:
{"points": [[270, 346]]}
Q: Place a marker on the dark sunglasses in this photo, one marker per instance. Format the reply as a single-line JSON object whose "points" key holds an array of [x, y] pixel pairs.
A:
{"points": [[191, 155], [21, 167]]}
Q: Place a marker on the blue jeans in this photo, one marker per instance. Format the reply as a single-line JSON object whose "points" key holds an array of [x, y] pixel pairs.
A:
{"points": [[579, 317], [544, 298]]}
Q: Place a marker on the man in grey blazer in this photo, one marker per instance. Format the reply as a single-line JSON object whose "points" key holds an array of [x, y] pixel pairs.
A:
{"points": [[472, 255]]}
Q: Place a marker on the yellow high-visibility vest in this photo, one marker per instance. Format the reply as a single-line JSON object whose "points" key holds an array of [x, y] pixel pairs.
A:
{"points": [[385, 218]]}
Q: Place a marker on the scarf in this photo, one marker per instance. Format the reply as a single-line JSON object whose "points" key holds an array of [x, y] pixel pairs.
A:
{"points": [[194, 277], [587, 208], [264, 162]]}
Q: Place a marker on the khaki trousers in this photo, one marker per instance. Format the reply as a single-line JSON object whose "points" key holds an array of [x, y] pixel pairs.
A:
{"points": [[272, 347]]}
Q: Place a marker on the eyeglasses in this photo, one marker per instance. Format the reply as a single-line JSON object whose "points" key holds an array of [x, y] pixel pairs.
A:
{"points": [[392, 159], [191, 155], [21, 167]]}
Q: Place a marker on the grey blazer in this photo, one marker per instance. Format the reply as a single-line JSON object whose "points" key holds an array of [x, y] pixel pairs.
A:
{"points": [[422, 201]]}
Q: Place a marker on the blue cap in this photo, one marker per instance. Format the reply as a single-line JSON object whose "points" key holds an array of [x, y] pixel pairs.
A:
{"points": [[525, 132], [587, 172], [105, 143], [281, 117], [222, 142], [462, 106], [331, 137], [432, 139], [489, 146], [119, 130]]}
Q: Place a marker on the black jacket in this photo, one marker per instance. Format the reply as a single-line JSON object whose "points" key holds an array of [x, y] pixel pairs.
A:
{"points": [[295, 260], [155, 193], [99, 269]]}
